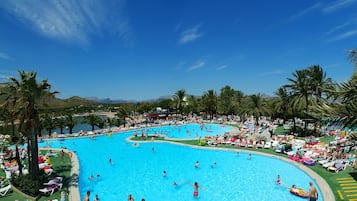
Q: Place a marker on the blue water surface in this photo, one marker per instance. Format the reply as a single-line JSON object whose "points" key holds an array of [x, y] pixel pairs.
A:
{"points": [[138, 170]]}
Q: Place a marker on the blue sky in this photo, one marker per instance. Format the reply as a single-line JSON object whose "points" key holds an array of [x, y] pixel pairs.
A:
{"points": [[140, 50]]}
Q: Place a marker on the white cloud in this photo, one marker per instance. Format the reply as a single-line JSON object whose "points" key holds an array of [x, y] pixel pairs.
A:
{"points": [[5, 56], [270, 73], [221, 67], [345, 35], [337, 5], [190, 35], [73, 21], [339, 27], [197, 65], [305, 11]]}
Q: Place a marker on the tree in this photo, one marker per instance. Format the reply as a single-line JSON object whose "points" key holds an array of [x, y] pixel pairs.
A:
{"points": [[122, 114], [209, 100], [29, 92], [48, 123], [70, 122], [179, 99], [92, 120], [60, 123], [257, 107], [11, 113], [282, 103], [226, 98], [300, 89]]}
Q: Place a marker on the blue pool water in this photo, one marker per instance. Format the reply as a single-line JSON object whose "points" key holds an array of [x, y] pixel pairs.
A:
{"points": [[188, 131], [139, 171]]}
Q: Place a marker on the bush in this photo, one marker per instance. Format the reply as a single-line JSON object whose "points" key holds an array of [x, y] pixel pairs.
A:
{"points": [[25, 184]]}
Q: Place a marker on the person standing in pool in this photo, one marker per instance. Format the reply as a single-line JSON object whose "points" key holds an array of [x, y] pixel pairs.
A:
{"points": [[313, 195], [130, 197], [195, 189], [86, 198]]}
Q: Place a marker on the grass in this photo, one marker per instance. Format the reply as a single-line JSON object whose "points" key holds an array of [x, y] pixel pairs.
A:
{"points": [[61, 169]]}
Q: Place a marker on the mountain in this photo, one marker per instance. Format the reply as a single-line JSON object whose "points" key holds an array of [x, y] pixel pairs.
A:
{"points": [[110, 101]]}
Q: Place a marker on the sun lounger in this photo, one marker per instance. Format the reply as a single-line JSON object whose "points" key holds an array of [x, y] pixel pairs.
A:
{"points": [[329, 164], [337, 167], [4, 190], [56, 180], [267, 145], [48, 171], [49, 190]]}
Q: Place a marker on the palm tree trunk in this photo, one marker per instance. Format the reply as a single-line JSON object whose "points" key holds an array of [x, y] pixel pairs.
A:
{"points": [[34, 157], [18, 159], [306, 110]]}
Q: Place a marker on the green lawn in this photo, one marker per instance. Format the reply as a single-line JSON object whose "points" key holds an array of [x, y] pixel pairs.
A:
{"points": [[61, 169]]}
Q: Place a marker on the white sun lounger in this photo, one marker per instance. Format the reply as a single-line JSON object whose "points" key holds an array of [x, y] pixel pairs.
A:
{"points": [[4, 190], [50, 189]]}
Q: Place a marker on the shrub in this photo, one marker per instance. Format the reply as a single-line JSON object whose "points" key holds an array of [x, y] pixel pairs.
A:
{"points": [[25, 184]]}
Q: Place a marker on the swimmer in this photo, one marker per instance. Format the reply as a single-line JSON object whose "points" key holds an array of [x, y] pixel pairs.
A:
{"points": [[153, 149], [164, 174], [91, 177], [278, 182], [110, 161], [197, 164], [237, 153], [214, 165], [249, 156]]}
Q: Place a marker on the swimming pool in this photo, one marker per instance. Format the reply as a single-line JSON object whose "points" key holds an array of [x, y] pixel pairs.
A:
{"points": [[187, 131], [139, 171]]}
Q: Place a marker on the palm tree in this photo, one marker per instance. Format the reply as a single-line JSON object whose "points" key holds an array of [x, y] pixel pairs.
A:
{"points": [[122, 114], [92, 120], [353, 58], [48, 123], [179, 99], [70, 122], [209, 99], [10, 110], [226, 97], [320, 85], [192, 105], [257, 107], [29, 92], [300, 89], [60, 123], [282, 103]]}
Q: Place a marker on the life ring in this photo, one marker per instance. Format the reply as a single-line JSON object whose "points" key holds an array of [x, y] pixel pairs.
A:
{"points": [[70, 154]]}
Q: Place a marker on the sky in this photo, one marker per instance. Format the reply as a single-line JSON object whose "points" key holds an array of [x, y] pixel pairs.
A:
{"points": [[141, 50]]}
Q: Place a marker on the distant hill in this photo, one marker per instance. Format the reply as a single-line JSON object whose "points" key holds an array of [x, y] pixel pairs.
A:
{"points": [[109, 101], [53, 102]]}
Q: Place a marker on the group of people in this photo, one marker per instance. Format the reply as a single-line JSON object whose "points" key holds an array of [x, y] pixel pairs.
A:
{"points": [[131, 198], [312, 194], [87, 196]]}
